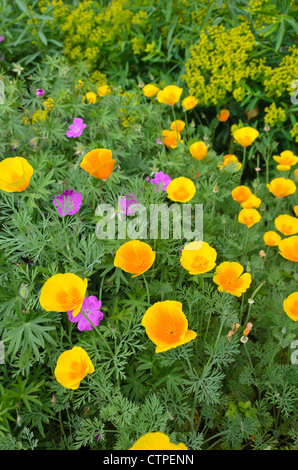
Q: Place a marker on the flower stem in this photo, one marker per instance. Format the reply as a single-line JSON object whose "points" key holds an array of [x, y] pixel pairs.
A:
{"points": [[147, 289]]}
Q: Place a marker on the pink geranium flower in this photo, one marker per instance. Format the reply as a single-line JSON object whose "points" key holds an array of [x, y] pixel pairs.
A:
{"points": [[91, 308], [76, 129]]}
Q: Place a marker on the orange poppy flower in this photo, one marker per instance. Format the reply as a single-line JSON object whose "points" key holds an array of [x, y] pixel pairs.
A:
{"points": [[288, 248], [90, 97], [98, 163], [170, 95], [271, 238], [189, 102], [156, 441], [249, 217], [295, 209], [241, 194], [230, 279], [286, 224], [15, 174], [181, 189], [281, 187], [72, 366], [223, 115], [245, 136], [198, 257], [167, 326], [134, 257], [290, 305], [170, 138], [198, 150], [150, 90], [177, 125], [62, 293]]}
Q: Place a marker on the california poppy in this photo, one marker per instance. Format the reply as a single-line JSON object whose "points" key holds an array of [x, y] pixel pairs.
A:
{"points": [[181, 189], [230, 279], [198, 257], [15, 174], [98, 163], [63, 292], [290, 305], [167, 326], [288, 248], [249, 217], [170, 95], [72, 366], [156, 441], [245, 136], [281, 187], [271, 238], [286, 224], [198, 150], [134, 257]]}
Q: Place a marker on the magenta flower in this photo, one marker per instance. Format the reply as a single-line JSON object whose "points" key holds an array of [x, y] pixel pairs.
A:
{"points": [[76, 129], [68, 203], [40, 92], [161, 181], [2, 58], [2, 38], [159, 141], [126, 202], [91, 308]]}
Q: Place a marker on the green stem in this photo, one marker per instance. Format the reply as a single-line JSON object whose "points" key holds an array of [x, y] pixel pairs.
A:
{"points": [[147, 289], [252, 297]]}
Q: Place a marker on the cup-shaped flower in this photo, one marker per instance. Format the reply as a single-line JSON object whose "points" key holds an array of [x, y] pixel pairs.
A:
{"points": [[281, 187], [167, 326], [177, 125], [62, 293], [198, 257], [249, 217], [134, 257], [241, 194], [171, 138], [98, 163], [72, 367], [15, 174], [245, 136], [229, 278], [290, 305], [150, 90], [286, 224], [223, 115], [288, 248], [285, 160], [181, 189], [156, 441], [198, 150], [189, 102], [271, 238], [230, 162], [252, 202], [170, 95]]}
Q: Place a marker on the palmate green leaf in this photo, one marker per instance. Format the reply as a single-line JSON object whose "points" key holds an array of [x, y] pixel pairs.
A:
{"points": [[32, 334]]}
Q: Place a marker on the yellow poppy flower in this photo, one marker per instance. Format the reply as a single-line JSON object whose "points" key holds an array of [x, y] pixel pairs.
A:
{"points": [[241, 194], [198, 150], [181, 189], [72, 366], [62, 293], [189, 102], [170, 95], [290, 305], [150, 90], [15, 174], [198, 257], [230, 279], [286, 224], [156, 441], [223, 115], [177, 125], [249, 217], [271, 238], [281, 187], [288, 248], [98, 163], [134, 257]]}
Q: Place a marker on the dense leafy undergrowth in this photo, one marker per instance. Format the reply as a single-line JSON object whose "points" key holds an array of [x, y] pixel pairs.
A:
{"points": [[233, 384]]}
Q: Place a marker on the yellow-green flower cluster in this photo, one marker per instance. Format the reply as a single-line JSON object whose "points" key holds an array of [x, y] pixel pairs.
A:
{"points": [[220, 62], [294, 132], [274, 114], [278, 80]]}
